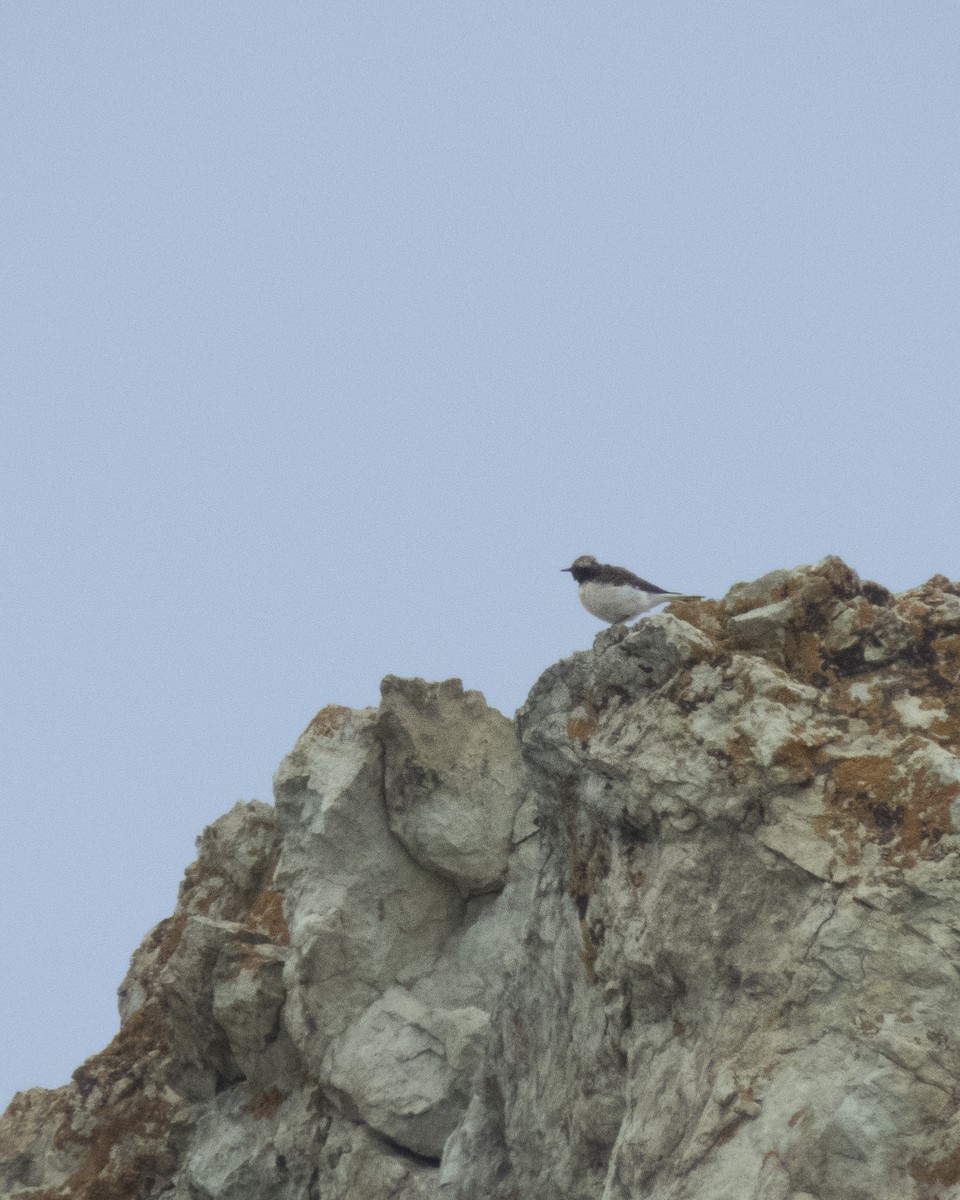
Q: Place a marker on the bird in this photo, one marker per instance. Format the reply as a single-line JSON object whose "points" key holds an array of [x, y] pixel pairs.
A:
{"points": [[615, 594]]}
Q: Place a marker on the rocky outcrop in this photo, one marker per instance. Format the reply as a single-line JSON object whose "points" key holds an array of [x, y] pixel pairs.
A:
{"points": [[310, 1020], [690, 930]]}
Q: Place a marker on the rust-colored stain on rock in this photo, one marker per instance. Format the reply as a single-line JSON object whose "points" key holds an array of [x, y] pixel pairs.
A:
{"points": [[266, 1103], [328, 720], [902, 809], [130, 1118], [266, 916], [945, 1171]]}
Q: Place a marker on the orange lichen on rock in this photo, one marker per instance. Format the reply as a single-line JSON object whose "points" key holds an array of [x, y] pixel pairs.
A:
{"points": [[581, 729], [266, 916], [126, 1147], [266, 1104], [171, 931], [946, 652], [926, 816], [797, 759], [945, 1171], [125, 1152], [802, 655], [863, 782], [902, 809], [738, 752], [141, 1041], [328, 720]]}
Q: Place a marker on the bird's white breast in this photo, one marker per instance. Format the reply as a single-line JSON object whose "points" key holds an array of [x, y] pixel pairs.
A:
{"points": [[618, 602]]}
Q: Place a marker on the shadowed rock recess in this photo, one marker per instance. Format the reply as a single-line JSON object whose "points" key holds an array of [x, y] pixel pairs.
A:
{"points": [[687, 930]]}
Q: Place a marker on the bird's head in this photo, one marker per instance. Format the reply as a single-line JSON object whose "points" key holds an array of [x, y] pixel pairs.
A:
{"points": [[583, 563]]}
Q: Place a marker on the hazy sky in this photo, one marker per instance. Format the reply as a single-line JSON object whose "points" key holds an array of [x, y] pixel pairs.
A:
{"points": [[332, 331]]}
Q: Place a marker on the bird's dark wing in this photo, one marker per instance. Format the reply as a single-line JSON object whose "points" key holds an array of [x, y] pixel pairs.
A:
{"points": [[620, 575]]}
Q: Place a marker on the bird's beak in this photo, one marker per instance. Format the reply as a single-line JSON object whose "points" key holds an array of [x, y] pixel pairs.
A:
{"points": [[562, 569]]}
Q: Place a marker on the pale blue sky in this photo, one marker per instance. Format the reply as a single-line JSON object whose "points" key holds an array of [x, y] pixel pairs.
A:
{"points": [[332, 331]]}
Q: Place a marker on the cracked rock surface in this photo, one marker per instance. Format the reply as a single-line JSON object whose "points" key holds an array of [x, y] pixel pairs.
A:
{"points": [[689, 929]]}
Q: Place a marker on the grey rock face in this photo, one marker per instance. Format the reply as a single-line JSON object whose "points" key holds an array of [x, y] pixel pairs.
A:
{"points": [[310, 1021], [450, 780], [740, 974], [688, 931]]}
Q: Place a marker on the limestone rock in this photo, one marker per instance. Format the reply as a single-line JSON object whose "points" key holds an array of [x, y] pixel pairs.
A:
{"points": [[686, 930], [310, 1020], [452, 779], [408, 1069], [742, 980]]}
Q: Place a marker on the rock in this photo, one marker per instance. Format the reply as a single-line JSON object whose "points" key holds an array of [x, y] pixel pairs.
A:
{"points": [[687, 929], [378, 938], [452, 778], [311, 1018], [763, 629], [364, 915], [738, 957], [407, 1069]]}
